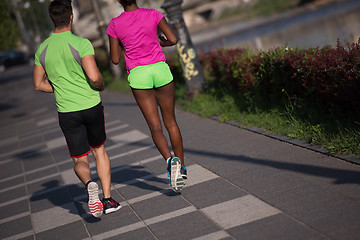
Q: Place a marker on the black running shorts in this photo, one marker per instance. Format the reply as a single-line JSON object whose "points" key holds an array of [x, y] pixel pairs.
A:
{"points": [[83, 129]]}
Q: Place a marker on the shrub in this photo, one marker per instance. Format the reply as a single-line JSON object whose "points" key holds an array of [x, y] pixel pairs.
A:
{"points": [[326, 79]]}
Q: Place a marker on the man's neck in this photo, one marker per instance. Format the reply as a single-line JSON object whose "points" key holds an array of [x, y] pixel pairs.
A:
{"points": [[62, 29]]}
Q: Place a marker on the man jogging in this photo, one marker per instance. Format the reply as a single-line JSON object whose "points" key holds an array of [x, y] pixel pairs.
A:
{"points": [[65, 65]]}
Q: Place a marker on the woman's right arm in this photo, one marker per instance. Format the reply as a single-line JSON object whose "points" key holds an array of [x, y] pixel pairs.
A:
{"points": [[171, 38], [115, 50]]}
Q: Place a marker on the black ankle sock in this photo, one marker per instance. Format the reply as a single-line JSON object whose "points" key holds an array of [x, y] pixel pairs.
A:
{"points": [[86, 184], [105, 199]]}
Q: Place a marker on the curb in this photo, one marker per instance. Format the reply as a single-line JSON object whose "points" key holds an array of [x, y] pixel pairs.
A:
{"points": [[296, 142]]}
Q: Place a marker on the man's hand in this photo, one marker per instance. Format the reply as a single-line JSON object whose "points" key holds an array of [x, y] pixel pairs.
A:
{"points": [[41, 83], [92, 71]]}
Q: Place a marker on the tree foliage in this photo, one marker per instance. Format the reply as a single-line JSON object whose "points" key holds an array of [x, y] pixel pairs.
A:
{"points": [[9, 31]]}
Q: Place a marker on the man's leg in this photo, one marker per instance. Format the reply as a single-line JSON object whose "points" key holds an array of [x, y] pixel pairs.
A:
{"points": [[103, 169], [81, 168]]}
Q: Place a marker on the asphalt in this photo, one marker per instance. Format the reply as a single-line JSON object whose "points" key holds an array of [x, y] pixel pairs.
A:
{"points": [[241, 185]]}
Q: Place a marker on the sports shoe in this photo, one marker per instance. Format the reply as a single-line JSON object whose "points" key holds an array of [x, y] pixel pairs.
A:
{"points": [[176, 181], [183, 172], [110, 205], [94, 203]]}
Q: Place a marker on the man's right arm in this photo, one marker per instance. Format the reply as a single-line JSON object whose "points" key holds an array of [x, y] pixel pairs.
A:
{"points": [[92, 71]]}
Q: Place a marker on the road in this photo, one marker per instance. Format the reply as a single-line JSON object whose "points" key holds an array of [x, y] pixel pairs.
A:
{"points": [[233, 33], [242, 185]]}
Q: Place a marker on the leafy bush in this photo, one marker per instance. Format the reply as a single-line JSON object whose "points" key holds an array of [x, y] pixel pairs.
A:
{"points": [[310, 94], [327, 79]]}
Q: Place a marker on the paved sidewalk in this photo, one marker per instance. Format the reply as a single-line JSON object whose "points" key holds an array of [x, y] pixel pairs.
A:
{"points": [[241, 185]]}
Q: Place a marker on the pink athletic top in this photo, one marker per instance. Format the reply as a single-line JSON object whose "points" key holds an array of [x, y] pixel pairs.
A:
{"points": [[137, 31]]}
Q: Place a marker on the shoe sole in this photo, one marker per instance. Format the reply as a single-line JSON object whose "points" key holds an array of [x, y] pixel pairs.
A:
{"points": [[177, 182], [95, 205], [111, 210]]}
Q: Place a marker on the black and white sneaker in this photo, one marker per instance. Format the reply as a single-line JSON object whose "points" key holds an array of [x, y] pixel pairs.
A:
{"points": [[110, 205], [94, 203]]}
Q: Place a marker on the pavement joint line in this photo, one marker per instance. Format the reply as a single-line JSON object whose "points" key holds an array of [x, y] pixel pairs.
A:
{"points": [[20, 235], [32, 135], [16, 200], [117, 128], [46, 121], [170, 215], [29, 182], [143, 223], [9, 140], [107, 124], [58, 187], [92, 164], [187, 210], [118, 231], [14, 217], [214, 236], [22, 150]]}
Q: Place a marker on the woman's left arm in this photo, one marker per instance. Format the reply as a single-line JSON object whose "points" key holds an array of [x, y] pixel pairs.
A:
{"points": [[115, 50]]}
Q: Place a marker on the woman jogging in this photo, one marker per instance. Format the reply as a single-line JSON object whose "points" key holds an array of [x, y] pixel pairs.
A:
{"points": [[150, 78]]}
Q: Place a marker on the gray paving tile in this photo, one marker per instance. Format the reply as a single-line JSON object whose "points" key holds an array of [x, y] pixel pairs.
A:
{"points": [[141, 233], [121, 218], [6, 148], [54, 197], [74, 231], [28, 142], [15, 180], [41, 173], [60, 154], [32, 237], [195, 223], [11, 168], [13, 194], [53, 134], [55, 217], [14, 209], [140, 188], [15, 227], [278, 227], [239, 211], [45, 183], [118, 162], [37, 159], [128, 174], [211, 192], [164, 204]]}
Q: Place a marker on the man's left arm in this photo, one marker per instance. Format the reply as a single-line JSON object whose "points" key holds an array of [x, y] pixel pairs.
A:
{"points": [[41, 83]]}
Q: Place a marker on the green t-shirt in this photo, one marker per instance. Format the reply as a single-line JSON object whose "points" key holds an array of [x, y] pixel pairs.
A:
{"points": [[60, 55]]}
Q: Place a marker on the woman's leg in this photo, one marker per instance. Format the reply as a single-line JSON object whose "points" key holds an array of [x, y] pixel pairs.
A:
{"points": [[146, 100], [166, 98]]}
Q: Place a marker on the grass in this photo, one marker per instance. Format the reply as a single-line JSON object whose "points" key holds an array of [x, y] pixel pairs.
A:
{"points": [[261, 8], [338, 138]]}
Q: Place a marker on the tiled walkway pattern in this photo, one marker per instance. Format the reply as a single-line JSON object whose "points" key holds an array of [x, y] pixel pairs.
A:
{"points": [[43, 193]]}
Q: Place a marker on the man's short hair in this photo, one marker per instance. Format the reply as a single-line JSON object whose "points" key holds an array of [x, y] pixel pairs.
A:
{"points": [[127, 2], [60, 12]]}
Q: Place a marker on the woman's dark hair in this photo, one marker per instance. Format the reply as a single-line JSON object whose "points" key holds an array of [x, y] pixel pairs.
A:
{"points": [[60, 12], [127, 2]]}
